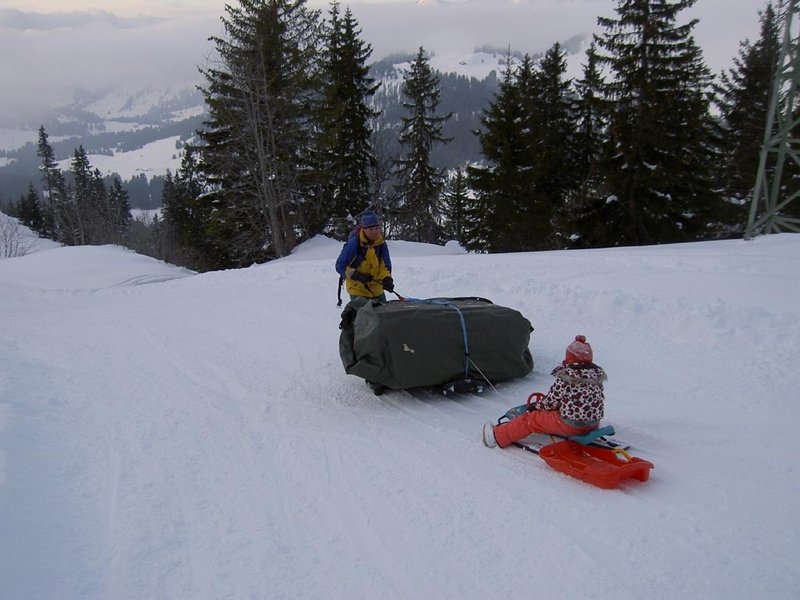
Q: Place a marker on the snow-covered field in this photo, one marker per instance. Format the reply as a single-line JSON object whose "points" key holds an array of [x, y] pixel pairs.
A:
{"points": [[166, 153], [180, 436]]}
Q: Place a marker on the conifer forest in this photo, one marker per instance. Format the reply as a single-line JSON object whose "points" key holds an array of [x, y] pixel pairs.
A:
{"points": [[647, 146]]}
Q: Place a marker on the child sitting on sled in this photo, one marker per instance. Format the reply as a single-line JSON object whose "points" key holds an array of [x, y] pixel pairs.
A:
{"points": [[573, 406]]}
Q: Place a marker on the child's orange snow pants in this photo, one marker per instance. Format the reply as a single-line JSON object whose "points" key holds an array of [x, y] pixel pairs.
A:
{"points": [[537, 421]]}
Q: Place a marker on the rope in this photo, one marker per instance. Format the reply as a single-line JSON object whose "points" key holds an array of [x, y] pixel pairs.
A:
{"points": [[486, 379], [467, 359]]}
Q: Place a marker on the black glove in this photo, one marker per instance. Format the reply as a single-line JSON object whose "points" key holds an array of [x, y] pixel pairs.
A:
{"points": [[388, 284], [359, 276]]}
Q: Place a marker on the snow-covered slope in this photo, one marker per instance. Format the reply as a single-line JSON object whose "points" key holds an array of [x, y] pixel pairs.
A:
{"points": [[170, 435], [152, 159], [17, 240]]}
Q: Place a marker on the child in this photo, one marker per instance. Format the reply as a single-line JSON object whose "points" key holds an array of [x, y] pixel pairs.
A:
{"points": [[573, 406]]}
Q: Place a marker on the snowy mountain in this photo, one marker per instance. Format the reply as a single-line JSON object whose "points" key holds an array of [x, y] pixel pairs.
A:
{"points": [[165, 434]]}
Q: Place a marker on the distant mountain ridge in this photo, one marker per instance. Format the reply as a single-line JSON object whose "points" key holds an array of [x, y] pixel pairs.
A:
{"points": [[139, 134]]}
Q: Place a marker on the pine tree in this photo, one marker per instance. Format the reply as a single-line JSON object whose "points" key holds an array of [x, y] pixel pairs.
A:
{"points": [[101, 213], [504, 186], [343, 142], [743, 97], [547, 102], [457, 207], [55, 189], [261, 100], [29, 210], [580, 217], [87, 213], [78, 213], [173, 215], [10, 208], [119, 216], [660, 151], [186, 215], [590, 115], [419, 182]]}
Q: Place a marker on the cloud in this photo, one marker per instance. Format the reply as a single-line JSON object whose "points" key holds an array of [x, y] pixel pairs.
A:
{"points": [[59, 55], [534, 25], [11, 18], [453, 27], [45, 57]]}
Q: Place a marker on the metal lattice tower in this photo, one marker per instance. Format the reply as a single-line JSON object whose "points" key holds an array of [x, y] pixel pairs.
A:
{"points": [[769, 199]]}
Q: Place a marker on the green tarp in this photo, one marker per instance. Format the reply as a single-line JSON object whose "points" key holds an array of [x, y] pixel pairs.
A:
{"points": [[423, 343]]}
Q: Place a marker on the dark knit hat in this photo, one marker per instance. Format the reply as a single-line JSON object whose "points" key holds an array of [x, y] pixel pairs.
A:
{"points": [[579, 351], [369, 219]]}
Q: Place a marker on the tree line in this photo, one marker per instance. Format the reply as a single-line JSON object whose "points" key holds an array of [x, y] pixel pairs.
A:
{"points": [[77, 208], [645, 147]]}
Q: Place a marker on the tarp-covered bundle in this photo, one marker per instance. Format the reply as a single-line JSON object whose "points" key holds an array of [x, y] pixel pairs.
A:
{"points": [[424, 343]]}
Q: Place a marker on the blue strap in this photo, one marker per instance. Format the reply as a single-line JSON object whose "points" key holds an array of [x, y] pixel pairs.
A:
{"points": [[466, 339], [588, 438], [463, 325]]}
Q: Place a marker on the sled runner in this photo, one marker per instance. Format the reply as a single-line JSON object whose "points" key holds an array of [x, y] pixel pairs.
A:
{"points": [[464, 386]]}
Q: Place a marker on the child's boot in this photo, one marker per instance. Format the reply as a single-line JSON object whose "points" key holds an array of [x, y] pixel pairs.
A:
{"points": [[488, 436]]}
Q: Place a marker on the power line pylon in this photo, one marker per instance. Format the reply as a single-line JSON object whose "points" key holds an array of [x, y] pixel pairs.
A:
{"points": [[769, 196]]}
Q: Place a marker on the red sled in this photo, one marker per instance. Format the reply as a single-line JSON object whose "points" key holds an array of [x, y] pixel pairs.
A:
{"points": [[602, 467]]}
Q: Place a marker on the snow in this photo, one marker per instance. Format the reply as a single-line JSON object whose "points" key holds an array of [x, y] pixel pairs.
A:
{"points": [[163, 153], [122, 126], [130, 103], [475, 64], [188, 113], [165, 434], [11, 139], [146, 215], [17, 240]]}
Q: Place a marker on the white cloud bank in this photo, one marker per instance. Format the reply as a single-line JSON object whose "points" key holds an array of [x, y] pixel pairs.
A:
{"points": [[47, 57]]}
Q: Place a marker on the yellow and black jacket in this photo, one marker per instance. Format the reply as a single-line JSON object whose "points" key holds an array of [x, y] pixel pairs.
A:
{"points": [[372, 258]]}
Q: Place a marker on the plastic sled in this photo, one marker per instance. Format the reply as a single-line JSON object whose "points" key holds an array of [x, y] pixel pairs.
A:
{"points": [[599, 466]]}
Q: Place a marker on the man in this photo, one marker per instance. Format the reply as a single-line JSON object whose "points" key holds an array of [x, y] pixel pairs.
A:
{"points": [[364, 261]]}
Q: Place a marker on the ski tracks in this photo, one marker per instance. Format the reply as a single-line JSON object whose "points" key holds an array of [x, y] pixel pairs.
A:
{"points": [[183, 451]]}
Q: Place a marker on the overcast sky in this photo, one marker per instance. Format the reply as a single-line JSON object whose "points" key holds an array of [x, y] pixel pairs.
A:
{"points": [[49, 49]]}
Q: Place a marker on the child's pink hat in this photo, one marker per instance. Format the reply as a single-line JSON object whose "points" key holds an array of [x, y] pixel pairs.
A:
{"points": [[579, 351]]}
